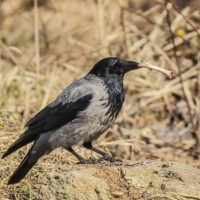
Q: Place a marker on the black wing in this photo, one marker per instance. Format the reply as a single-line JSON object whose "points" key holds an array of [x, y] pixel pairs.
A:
{"points": [[50, 118]]}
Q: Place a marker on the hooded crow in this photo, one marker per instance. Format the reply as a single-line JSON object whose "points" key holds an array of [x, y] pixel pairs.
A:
{"points": [[79, 115]]}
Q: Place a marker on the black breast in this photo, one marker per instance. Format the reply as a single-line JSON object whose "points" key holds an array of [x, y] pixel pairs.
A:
{"points": [[116, 97]]}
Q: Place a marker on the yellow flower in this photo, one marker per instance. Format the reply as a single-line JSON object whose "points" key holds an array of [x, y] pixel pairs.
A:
{"points": [[1, 127], [180, 32]]}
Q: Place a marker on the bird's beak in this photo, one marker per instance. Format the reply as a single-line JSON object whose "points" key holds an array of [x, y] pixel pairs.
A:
{"points": [[132, 66]]}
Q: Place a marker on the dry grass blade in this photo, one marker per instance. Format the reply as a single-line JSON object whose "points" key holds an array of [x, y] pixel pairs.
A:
{"points": [[180, 77], [121, 142], [15, 60], [68, 42], [162, 196], [37, 49], [186, 195]]}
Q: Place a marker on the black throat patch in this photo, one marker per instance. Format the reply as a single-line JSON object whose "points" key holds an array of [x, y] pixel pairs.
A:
{"points": [[116, 97]]}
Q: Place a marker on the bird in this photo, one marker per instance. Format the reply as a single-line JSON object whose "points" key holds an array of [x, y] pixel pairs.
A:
{"points": [[78, 116]]}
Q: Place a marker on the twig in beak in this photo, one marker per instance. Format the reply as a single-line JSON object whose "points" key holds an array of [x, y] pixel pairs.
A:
{"points": [[168, 73]]}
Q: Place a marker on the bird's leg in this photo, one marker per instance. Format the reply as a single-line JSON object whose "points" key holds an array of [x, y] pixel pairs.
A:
{"points": [[88, 145], [81, 159]]}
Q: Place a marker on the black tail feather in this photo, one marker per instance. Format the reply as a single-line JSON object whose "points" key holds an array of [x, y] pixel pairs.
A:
{"points": [[22, 170], [22, 141]]}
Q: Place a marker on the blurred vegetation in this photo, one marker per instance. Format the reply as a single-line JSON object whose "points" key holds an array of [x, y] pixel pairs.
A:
{"points": [[46, 47]]}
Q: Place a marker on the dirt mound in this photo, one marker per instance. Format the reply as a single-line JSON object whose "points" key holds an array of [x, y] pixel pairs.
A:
{"points": [[130, 180]]}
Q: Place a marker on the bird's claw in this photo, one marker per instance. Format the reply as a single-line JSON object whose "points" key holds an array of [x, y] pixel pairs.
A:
{"points": [[110, 159], [118, 160], [91, 160]]}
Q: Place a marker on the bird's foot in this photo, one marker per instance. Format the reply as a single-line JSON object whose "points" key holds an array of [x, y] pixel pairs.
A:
{"points": [[91, 160], [109, 158]]}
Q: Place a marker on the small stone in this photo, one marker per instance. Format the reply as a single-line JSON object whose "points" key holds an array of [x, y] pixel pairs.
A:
{"points": [[117, 194]]}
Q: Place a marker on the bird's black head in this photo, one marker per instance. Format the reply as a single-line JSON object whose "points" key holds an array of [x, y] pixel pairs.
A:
{"points": [[113, 67]]}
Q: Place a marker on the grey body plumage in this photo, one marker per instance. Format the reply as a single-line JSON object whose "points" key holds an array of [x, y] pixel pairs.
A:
{"points": [[80, 114], [87, 126]]}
